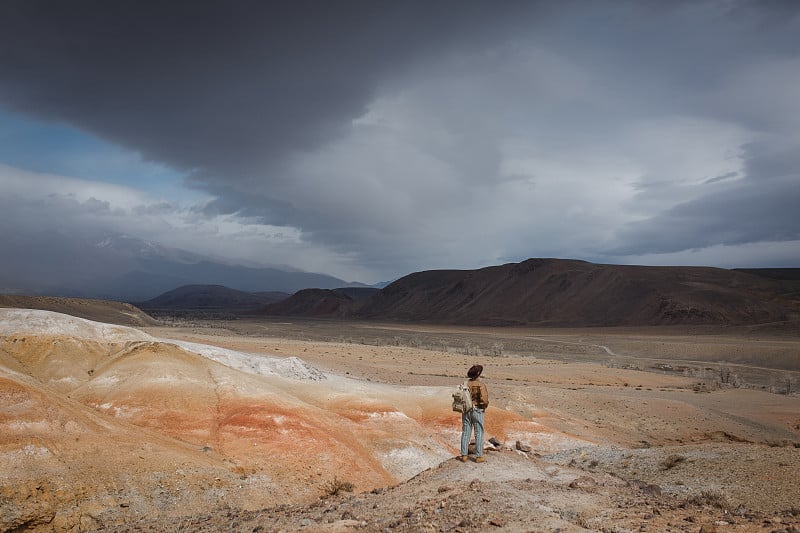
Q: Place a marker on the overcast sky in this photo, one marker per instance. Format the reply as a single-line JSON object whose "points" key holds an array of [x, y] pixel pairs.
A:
{"points": [[371, 139]]}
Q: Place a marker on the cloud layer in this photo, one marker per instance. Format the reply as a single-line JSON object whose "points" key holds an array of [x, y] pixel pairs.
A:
{"points": [[378, 139]]}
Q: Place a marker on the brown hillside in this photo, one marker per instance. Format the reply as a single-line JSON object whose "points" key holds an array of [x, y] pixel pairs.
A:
{"points": [[313, 303], [555, 292], [99, 310]]}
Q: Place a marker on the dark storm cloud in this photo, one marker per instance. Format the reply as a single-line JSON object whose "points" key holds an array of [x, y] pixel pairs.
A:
{"points": [[229, 201], [723, 177], [761, 207], [407, 135], [222, 88], [768, 160]]}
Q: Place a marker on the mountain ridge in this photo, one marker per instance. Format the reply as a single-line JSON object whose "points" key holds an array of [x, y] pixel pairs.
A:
{"points": [[565, 293], [197, 296], [124, 268]]}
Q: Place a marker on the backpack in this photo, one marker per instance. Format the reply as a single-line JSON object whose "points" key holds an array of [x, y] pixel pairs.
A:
{"points": [[462, 399]]}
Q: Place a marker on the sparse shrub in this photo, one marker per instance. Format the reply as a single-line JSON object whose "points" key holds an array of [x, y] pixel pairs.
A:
{"points": [[672, 461], [581, 520], [336, 486], [724, 373], [788, 384], [712, 498]]}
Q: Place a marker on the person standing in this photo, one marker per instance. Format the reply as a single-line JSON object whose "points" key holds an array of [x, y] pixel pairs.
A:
{"points": [[473, 419]]}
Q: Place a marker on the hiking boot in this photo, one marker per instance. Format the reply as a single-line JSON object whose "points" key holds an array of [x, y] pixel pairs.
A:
{"points": [[480, 459], [462, 458]]}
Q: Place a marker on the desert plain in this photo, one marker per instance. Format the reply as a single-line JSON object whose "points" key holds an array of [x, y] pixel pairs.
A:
{"points": [[266, 424]]}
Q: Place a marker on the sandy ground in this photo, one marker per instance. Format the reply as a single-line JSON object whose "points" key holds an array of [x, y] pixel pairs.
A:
{"points": [[251, 427], [740, 441], [594, 400]]}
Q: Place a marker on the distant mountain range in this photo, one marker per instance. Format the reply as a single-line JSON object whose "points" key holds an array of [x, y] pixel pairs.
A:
{"points": [[541, 292], [211, 297], [322, 303], [123, 268], [556, 292], [220, 298]]}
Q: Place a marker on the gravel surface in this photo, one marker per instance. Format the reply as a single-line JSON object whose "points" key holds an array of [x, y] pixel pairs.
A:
{"points": [[510, 492]]}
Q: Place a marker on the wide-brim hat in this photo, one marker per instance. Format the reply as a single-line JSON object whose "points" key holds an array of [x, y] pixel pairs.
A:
{"points": [[474, 371]]}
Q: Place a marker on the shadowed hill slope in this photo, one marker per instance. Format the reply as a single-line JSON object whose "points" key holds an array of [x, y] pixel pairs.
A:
{"points": [[211, 297], [555, 292], [788, 274], [313, 302], [336, 303], [98, 310]]}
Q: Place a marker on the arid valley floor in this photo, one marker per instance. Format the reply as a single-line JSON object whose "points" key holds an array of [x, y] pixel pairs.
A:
{"points": [[287, 425]]}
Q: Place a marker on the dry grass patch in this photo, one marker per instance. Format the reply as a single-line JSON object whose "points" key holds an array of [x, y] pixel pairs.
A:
{"points": [[336, 486], [672, 461], [711, 498]]}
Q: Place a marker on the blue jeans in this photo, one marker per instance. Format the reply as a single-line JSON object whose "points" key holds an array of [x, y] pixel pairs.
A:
{"points": [[469, 420]]}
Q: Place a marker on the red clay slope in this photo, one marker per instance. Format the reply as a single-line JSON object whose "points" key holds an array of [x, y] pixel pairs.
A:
{"points": [[97, 418]]}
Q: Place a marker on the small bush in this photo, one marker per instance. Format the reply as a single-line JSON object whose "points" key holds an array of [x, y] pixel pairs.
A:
{"points": [[711, 498], [672, 461], [336, 486]]}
